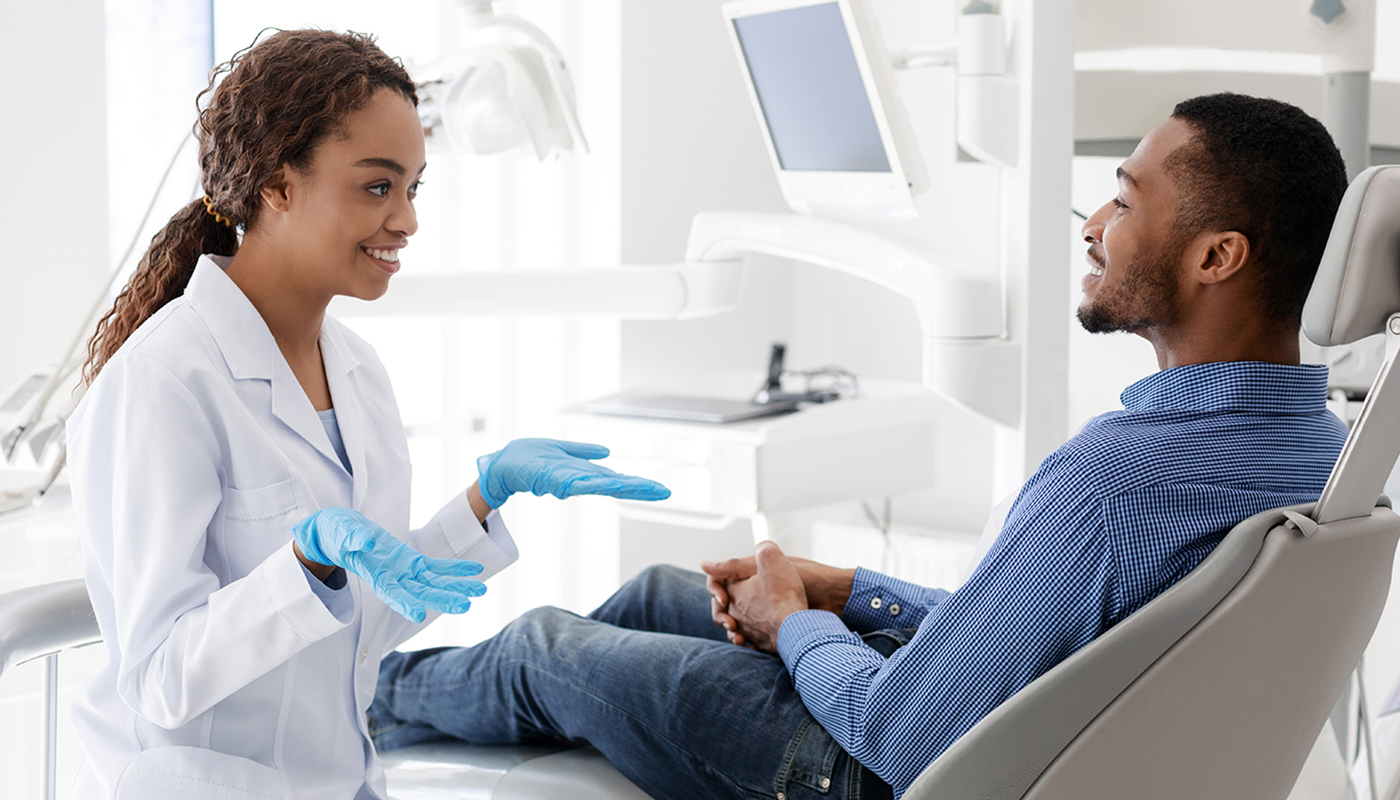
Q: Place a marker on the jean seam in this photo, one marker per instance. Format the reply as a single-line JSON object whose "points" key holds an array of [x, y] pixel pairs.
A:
{"points": [[657, 733], [781, 779]]}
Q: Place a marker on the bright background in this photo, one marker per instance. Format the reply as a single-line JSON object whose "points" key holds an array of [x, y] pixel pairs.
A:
{"points": [[99, 94]]}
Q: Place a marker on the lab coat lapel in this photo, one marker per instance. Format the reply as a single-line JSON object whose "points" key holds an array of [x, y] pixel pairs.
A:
{"points": [[291, 405], [349, 411], [251, 352]]}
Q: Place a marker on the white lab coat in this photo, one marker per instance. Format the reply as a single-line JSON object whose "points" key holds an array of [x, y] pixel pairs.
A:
{"points": [[191, 456]]}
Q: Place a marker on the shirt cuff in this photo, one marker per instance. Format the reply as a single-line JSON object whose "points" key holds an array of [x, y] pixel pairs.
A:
{"points": [[295, 600], [805, 630], [457, 523], [340, 603], [493, 549], [489, 544], [878, 601]]}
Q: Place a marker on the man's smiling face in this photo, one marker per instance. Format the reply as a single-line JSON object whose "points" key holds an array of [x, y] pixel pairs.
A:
{"points": [[1135, 246]]}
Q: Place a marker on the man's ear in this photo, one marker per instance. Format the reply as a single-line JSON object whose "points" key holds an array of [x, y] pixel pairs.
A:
{"points": [[1220, 256], [276, 192]]}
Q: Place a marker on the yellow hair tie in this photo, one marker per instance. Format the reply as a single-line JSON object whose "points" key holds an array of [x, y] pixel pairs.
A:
{"points": [[209, 206]]}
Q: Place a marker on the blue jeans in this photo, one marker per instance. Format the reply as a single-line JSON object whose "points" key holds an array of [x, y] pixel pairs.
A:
{"points": [[648, 679]]}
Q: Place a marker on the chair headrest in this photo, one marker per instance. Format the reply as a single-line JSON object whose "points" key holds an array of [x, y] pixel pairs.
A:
{"points": [[1358, 282]]}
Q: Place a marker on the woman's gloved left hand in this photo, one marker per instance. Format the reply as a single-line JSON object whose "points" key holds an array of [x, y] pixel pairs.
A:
{"points": [[563, 469], [405, 579]]}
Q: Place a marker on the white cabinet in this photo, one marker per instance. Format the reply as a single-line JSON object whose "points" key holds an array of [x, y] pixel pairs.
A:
{"points": [[878, 444]]}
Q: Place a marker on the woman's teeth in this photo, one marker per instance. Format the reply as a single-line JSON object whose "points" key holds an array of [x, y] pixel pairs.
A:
{"points": [[391, 256]]}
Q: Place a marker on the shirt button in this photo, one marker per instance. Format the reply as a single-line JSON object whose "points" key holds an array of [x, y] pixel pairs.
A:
{"points": [[364, 654], [782, 796], [826, 783], [894, 609], [876, 602]]}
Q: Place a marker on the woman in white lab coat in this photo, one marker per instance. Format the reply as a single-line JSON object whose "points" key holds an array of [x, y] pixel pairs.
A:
{"points": [[239, 468]]}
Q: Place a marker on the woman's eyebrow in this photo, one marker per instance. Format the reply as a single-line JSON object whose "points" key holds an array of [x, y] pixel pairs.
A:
{"points": [[386, 163]]}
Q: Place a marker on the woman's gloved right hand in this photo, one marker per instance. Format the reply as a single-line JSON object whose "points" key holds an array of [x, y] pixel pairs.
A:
{"points": [[405, 579]]}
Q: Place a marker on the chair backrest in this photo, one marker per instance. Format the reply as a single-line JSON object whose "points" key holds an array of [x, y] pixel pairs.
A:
{"points": [[42, 620], [1219, 686], [1233, 709]]}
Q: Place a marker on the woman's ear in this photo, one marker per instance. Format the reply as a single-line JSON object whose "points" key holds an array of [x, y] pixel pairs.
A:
{"points": [[276, 192]]}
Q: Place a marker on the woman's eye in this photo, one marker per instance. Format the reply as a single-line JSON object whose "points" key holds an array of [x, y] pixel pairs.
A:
{"points": [[1119, 203], [380, 189], [414, 187]]}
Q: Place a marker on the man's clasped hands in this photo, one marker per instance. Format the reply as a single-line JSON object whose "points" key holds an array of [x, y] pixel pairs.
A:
{"points": [[751, 597]]}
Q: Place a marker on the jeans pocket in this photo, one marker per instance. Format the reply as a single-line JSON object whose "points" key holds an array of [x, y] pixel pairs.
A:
{"points": [[810, 760]]}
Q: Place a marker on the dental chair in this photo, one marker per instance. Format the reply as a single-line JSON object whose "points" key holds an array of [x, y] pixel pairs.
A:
{"points": [[1217, 688]]}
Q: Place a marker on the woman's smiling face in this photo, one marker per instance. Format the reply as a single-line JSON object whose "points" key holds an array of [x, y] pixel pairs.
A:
{"points": [[349, 215]]}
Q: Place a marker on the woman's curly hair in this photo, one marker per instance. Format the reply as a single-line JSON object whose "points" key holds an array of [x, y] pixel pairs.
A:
{"points": [[269, 106]]}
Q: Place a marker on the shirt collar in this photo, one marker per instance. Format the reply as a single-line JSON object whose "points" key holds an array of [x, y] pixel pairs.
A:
{"points": [[1232, 386], [240, 331]]}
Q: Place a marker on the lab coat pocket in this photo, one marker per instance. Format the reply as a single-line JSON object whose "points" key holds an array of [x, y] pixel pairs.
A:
{"points": [[256, 523], [176, 773]]}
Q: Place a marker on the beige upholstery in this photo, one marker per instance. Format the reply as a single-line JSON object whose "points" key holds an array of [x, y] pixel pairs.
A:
{"points": [[1358, 282], [1234, 708]]}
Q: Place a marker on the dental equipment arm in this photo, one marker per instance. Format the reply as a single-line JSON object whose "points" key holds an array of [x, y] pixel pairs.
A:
{"points": [[968, 355], [72, 359]]}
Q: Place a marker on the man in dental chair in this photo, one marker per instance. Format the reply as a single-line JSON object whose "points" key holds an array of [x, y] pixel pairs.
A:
{"points": [[852, 682]]}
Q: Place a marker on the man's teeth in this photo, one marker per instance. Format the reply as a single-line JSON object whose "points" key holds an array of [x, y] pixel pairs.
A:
{"points": [[391, 256], [1097, 272]]}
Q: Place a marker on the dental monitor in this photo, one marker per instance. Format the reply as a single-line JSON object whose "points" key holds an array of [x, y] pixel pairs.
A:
{"points": [[823, 89]]}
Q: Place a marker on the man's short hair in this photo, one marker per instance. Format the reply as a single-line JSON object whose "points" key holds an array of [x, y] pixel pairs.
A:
{"points": [[1268, 170]]}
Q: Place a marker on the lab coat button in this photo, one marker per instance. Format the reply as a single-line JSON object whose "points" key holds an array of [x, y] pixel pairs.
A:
{"points": [[894, 609], [364, 654], [876, 602]]}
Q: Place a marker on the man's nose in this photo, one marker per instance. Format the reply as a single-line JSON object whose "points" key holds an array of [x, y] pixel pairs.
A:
{"points": [[1093, 226]]}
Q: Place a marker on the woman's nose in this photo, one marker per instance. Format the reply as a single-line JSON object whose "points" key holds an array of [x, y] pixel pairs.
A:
{"points": [[404, 219]]}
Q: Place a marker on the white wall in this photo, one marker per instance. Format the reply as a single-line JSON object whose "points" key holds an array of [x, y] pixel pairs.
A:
{"points": [[689, 144], [53, 216]]}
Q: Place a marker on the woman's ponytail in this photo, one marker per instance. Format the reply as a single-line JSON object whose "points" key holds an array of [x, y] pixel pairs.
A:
{"points": [[162, 276]]}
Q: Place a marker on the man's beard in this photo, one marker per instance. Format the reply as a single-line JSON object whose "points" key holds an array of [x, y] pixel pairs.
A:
{"points": [[1145, 296]]}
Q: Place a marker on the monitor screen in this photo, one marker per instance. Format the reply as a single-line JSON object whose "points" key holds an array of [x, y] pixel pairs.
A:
{"points": [[810, 88]]}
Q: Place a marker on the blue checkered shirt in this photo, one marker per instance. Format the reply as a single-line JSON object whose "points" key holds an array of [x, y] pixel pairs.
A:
{"points": [[1116, 515]]}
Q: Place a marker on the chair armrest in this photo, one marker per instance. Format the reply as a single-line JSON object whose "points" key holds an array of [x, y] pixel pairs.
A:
{"points": [[42, 620]]}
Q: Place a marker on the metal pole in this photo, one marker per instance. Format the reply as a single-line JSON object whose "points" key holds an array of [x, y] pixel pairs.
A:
{"points": [[1346, 111], [51, 727]]}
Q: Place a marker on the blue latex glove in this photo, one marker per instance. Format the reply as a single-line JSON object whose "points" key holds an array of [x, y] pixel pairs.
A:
{"points": [[550, 466], [405, 579]]}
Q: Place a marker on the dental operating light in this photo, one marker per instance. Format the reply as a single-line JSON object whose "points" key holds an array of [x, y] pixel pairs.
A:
{"points": [[508, 88]]}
